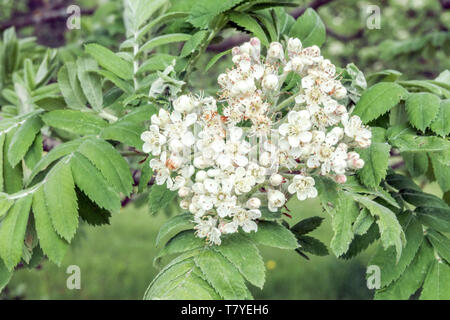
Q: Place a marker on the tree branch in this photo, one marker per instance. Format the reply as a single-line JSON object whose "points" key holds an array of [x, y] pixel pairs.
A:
{"points": [[38, 17]]}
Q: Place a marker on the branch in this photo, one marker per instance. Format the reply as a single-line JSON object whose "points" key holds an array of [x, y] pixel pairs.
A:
{"points": [[38, 17]]}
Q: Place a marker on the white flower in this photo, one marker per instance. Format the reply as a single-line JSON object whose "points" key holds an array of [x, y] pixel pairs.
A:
{"points": [[153, 140], [296, 130], [161, 119], [270, 82], [354, 128], [276, 199], [257, 172], [183, 103], [243, 183], [207, 227], [162, 172], [219, 181], [303, 186]]}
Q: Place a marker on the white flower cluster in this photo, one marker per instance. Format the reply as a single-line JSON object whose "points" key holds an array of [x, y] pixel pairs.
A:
{"points": [[234, 157]]}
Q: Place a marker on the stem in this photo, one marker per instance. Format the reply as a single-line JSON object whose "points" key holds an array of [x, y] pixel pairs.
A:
{"points": [[284, 104], [135, 61]]}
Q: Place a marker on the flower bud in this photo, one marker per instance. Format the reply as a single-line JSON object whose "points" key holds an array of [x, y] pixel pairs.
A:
{"points": [[222, 79], [294, 45], [340, 178], [201, 176], [276, 179], [340, 110], [275, 51], [184, 204], [270, 82], [184, 192], [253, 203], [340, 93]]}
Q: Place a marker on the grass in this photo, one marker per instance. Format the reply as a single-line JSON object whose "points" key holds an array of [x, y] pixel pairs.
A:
{"points": [[116, 262]]}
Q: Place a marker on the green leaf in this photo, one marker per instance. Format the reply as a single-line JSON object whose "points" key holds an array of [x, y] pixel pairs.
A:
{"points": [[75, 121], [437, 282], [22, 139], [422, 109], [12, 232], [91, 181], [173, 225], [180, 280], [146, 175], [245, 256], [416, 163], [406, 141], [90, 212], [309, 28], [437, 218], [110, 163], [312, 245], [216, 58], [400, 182], [90, 82], [412, 279], [51, 243], [204, 11], [70, 86], [121, 84], [441, 167], [156, 62], [2, 143], [440, 242], [362, 242], [363, 222], [307, 225], [5, 275], [379, 99], [441, 125], [390, 229], [222, 275], [159, 197], [384, 258], [124, 131], [273, 234], [328, 192], [181, 242], [137, 12], [419, 198], [61, 200], [193, 43], [110, 61], [12, 176], [5, 204], [34, 154], [164, 39], [376, 158], [54, 154], [250, 24], [343, 217]]}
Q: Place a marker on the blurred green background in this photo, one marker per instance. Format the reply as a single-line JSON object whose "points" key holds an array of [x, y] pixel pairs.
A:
{"points": [[116, 261]]}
